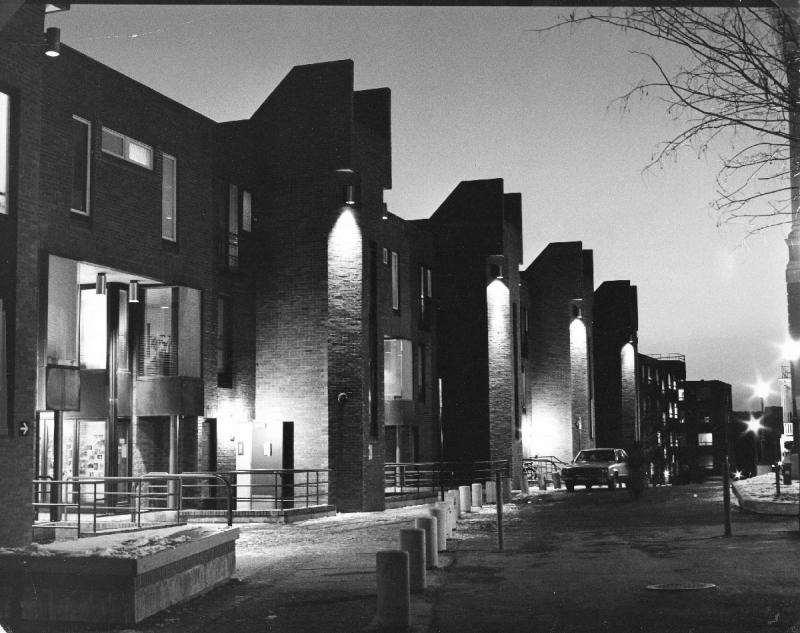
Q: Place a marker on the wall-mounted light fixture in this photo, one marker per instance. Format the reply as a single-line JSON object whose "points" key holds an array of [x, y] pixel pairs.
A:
{"points": [[100, 284], [133, 291], [385, 212], [53, 42], [349, 194], [577, 311]]}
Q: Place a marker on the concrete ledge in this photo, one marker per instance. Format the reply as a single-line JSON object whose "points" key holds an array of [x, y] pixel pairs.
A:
{"points": [[99, 580], [748, 504], [410, 499], [288, 515]]}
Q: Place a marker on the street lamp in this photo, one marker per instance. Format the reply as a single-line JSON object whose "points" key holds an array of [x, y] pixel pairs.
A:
{"points": [[762, 391], [754, 425], [791, 353]]}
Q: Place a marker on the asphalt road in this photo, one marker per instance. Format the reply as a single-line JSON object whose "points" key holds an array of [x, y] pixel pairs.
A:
{"points": [[583, 562]]}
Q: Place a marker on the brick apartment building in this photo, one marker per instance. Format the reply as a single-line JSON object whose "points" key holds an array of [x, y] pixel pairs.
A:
{"points": [[477, 233], [700, 444], [557, 353], [661, 378], [615, 357]]}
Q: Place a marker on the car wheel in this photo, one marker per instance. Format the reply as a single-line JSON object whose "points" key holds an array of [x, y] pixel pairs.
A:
{"points": [[589, 486], [570, 487]]}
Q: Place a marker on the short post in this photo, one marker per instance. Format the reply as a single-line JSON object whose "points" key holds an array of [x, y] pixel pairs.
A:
{"points": [[542, 481], [431, 527], [439, 511], [491, 495], [464, 500], [394, 602], [477, 495], [777, 469], [412, 540], [556, 480], [499, 490]]}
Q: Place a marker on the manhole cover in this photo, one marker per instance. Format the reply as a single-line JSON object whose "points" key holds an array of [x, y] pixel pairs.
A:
{"points": [[682, 586]]}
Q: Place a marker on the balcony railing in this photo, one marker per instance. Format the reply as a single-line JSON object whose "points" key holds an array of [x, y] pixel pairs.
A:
{"points": [[415, 477]]}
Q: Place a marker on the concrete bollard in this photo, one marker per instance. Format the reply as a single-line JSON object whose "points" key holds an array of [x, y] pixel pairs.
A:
{"points": [[556, 480], [440, 513], [477, 495], [394, 602], [431, 527], [464, 500], [412, 540], [491, 493], [542, 482]]}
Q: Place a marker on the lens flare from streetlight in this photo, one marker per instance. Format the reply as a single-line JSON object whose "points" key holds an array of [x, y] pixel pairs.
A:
{"points": [[754, 424], [790, 350], [762, 390]]}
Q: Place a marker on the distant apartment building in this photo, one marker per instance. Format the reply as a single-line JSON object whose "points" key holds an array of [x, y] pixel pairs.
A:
{"points": [[558, 352], [700, 447], [661, 378]]}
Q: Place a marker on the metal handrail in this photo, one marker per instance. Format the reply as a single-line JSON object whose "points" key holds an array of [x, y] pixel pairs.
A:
{"points": [[405, 477]]}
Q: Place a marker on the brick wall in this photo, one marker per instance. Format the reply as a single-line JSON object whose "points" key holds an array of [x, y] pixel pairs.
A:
{"points": [[21, 64]]}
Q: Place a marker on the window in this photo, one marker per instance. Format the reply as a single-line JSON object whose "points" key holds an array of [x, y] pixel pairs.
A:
{"points": [[385, 256], [425, 296], [93, 330], [247, 211], [224, 343], [395, 281], [4, 419], [81, 153], [5, 154], [397, 369], [127, 148], [159, 354], [169, 207], [705, 439], [421, 373], [232, 250]]}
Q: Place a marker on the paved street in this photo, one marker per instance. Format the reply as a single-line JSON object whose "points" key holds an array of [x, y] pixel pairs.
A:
{"points": [[572, 563]]}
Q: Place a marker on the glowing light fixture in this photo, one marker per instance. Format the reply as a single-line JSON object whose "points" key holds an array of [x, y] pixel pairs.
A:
{"points": [[791, 350], [100, 284], [349, 194], [754, 424], [385, 214], [133, 291], [53, 38], [762, 390]]}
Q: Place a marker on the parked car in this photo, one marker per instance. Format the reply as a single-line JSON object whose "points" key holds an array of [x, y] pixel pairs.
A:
{"points": [[600, 466]]}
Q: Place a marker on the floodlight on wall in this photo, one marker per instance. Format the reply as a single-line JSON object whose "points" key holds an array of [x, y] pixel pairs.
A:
{"points": [[53, 42], [349, 194], [133, 291], [577, 311], [496, 271], [100, 284], [385, 212]]}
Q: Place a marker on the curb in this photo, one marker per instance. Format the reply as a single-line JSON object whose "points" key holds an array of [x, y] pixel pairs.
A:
{"points": [[773, 508]]}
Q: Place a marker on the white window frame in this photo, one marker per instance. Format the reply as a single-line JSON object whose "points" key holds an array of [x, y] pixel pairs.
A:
{"points": [[127, 142], [5, 148], [88, 157], [169, 200]]}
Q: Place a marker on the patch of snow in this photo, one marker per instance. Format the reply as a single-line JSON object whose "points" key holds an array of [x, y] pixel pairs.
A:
{"points": [[762, 488]]}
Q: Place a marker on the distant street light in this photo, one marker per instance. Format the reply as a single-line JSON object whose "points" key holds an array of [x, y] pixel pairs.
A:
{"points": [[754, 425]]}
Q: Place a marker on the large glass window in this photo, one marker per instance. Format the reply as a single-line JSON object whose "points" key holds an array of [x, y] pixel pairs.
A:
{"points": [[81, 152], [169, 208], [3, 375], [170, 341], [5, 134], [232, 242], [94, 329], [159, 352], [62, 312], [127, 148], [398, 369]]}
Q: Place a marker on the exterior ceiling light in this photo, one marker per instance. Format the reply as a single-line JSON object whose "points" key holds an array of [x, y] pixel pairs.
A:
{"points": [[133, 291], [53, 38], [349, 194], [100, 284]]}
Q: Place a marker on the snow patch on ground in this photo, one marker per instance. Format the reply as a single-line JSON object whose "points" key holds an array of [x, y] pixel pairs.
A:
{"points": [[762, 488]]}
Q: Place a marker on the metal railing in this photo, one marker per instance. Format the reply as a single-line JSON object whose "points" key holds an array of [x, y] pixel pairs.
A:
{"points": [[92, 504], [547, 465], [416, 477]]}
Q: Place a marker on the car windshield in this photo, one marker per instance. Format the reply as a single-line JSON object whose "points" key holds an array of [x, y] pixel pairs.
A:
{"points": [[595, 456]]}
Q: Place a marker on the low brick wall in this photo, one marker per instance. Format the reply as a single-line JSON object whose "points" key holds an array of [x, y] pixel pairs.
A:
{"points": [[85, 581]]}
